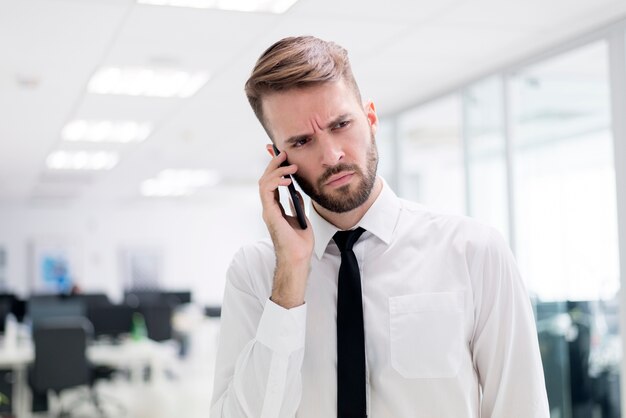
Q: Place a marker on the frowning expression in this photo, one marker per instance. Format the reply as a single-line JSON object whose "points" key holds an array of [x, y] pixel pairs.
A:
{"points": [[330, 136]]}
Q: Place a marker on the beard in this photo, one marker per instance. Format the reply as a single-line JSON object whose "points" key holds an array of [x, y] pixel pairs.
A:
{"points": [[342, 199]]}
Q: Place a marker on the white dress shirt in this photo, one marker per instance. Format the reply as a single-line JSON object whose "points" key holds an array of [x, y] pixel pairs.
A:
{"points": [[449, 328]]}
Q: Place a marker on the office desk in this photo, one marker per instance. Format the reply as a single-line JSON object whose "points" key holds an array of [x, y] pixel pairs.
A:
{"points": [[135, 356], [129, 355], [18, 359]]}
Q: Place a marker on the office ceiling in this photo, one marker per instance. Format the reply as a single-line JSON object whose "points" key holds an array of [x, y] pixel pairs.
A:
{"points": [[402, 51]]}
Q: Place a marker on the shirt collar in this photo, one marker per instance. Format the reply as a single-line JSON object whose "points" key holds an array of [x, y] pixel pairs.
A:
{"points": [[380, 220]]}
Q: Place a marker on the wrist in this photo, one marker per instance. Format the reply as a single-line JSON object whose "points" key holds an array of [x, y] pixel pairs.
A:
{"points": [[290, 284], [287, 302], [293, 259]]}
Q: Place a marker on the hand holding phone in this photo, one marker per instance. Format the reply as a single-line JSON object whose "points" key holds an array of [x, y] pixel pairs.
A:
{"points": [[295, 198]]}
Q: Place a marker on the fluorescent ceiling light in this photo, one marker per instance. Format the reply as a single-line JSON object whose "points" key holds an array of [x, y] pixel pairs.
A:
{"points": [[82, 160], [137, 81], [106, 131], [271, 6], [178, 182]]}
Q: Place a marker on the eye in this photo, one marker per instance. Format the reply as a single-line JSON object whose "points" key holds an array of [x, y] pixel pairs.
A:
{"points": [[300, 142], [341, 124]]}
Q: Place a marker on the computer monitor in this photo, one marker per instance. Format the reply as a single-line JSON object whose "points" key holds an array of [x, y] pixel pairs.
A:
{"points": [[19, 309], [91, 299], [213, 311], [137, 298], [177, 297], [45, 297], [111, 321], [39, 309], [6, 306], [158, 321], [17, 305]]}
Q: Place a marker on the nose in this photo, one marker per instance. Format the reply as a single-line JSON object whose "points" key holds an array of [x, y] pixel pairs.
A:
{"points": [[331, 151]]}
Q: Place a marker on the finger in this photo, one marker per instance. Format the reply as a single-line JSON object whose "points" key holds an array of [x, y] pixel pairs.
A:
{"points": [[285, 181], [276, 162], [275, 176], [268, 191], [277, 199], [284, 171], [270, 201], [268, 185], [273, 179]]}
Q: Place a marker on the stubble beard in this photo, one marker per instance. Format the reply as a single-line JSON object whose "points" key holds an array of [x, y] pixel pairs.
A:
{"points": [[342, 199]]}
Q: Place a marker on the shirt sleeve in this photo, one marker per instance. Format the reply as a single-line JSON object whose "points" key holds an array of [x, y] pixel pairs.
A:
{"points": [[260, 353], [505, 345]]}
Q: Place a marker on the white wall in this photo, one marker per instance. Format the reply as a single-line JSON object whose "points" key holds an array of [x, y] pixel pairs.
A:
{"points": [[197, 240]]}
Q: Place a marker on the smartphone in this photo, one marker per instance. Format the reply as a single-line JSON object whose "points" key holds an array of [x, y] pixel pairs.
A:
{"points": [[295, 199]]}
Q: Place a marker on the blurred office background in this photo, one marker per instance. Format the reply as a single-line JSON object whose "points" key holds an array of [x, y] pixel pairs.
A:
{"points": [[129, 159]]}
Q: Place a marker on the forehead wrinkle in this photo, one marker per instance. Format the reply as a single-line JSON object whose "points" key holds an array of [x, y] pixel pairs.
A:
{"points": [[315, 125], [323, 124]]}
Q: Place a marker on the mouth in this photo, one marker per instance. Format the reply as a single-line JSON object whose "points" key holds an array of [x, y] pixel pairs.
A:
{"points": [[340, 179]]}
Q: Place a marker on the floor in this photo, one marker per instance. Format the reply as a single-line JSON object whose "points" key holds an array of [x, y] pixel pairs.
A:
{"points": [[184, 392], [184, 398]]}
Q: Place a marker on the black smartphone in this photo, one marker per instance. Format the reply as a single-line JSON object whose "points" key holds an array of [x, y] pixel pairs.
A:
{"points": [[295, 199]]}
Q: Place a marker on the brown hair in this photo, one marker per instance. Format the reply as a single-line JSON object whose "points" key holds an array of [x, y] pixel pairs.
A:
{"points": [[297, 62]]}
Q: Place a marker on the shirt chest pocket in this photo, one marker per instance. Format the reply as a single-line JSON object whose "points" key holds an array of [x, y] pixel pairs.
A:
{"points": [[426, 334]]}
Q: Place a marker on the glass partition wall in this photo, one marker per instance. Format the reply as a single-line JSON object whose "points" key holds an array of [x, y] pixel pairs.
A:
{"points": [[566, 218], [531, 152], [485, 149], [431, 155]]}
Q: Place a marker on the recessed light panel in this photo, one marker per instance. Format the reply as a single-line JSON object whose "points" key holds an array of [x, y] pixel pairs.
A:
{"points": [[82, 160], [150, 82], [106, 131]]}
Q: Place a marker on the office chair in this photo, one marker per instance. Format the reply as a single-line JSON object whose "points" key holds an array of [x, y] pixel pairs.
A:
{"points": [[176, 298], [44, 297], [111, 321], [138, 298], [6, 306], [61, 359], [91, 300], [213, 311], [158, 321], [43, 309], [15, 305]]}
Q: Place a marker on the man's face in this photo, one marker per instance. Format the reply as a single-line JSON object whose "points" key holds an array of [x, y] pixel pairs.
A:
{"points": [[329, 135]]}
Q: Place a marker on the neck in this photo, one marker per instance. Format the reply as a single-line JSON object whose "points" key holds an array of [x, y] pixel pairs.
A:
{"points": [[347, 220]]}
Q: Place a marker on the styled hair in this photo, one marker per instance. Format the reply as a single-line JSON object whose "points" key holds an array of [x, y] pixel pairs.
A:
{"points": [[297, 62]]}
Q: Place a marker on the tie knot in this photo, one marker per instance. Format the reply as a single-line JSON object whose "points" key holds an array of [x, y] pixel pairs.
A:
{"points": [[346, 239]]}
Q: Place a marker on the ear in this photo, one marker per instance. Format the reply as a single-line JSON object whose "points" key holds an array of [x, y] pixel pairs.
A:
{"points": [[270, 149], [370, 113]]}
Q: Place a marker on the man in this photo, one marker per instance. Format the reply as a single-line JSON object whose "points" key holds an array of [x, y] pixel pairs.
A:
{"points": [[408, 313]]}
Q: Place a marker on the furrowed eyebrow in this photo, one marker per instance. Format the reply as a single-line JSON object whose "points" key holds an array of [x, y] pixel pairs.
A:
{"points": [[296, 138], [338, 119]]}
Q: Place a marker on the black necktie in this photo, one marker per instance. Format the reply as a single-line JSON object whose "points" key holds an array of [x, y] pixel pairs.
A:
{"points": [[350, 335]]}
